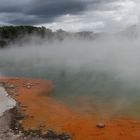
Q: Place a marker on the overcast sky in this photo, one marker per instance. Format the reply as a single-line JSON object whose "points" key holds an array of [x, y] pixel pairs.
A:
{"points": [[71, 15]]}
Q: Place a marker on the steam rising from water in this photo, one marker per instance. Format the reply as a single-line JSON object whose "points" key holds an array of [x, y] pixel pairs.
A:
{"points": [[105, 72]]}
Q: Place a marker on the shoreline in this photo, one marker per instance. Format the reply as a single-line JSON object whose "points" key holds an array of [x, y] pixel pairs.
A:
{"points": [[11, 128], [40, 117]]}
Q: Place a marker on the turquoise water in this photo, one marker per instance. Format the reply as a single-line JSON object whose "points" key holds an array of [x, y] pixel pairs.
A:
{"points": [[107, 84], [102, 90]]}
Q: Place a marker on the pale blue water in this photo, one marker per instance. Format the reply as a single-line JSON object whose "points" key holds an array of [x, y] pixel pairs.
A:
{"points": [[104, 89]]}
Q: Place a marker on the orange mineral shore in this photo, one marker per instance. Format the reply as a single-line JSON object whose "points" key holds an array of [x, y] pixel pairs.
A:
{"points": [[44, 112]]}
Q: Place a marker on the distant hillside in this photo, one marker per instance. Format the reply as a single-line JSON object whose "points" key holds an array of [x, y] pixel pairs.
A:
{"points": [[12, 34], [21, 34]]}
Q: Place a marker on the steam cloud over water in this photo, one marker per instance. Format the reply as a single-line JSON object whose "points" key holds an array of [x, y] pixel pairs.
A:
{"points": [[105, 71]]}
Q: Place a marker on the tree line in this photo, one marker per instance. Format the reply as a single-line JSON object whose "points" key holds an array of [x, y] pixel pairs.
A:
{"points": [[10, 34]]}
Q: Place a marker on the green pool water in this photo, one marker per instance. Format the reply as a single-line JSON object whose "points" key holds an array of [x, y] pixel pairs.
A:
{"points": [[101, 90]]}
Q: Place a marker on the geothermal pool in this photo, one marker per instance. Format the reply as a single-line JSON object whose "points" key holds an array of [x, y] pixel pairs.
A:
{"points": [[86, 91], [92, 84], [94, 77]]}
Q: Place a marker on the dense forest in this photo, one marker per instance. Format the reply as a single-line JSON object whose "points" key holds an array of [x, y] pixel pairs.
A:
{"points": [[21, 34], [12, 34]]}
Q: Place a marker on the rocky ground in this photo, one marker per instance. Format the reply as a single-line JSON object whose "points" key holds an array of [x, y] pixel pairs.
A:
{"points": [[5, 132], [8, 130]]}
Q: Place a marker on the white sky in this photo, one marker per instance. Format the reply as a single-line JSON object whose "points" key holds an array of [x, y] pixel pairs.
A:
{"points": [[113, 17]]}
